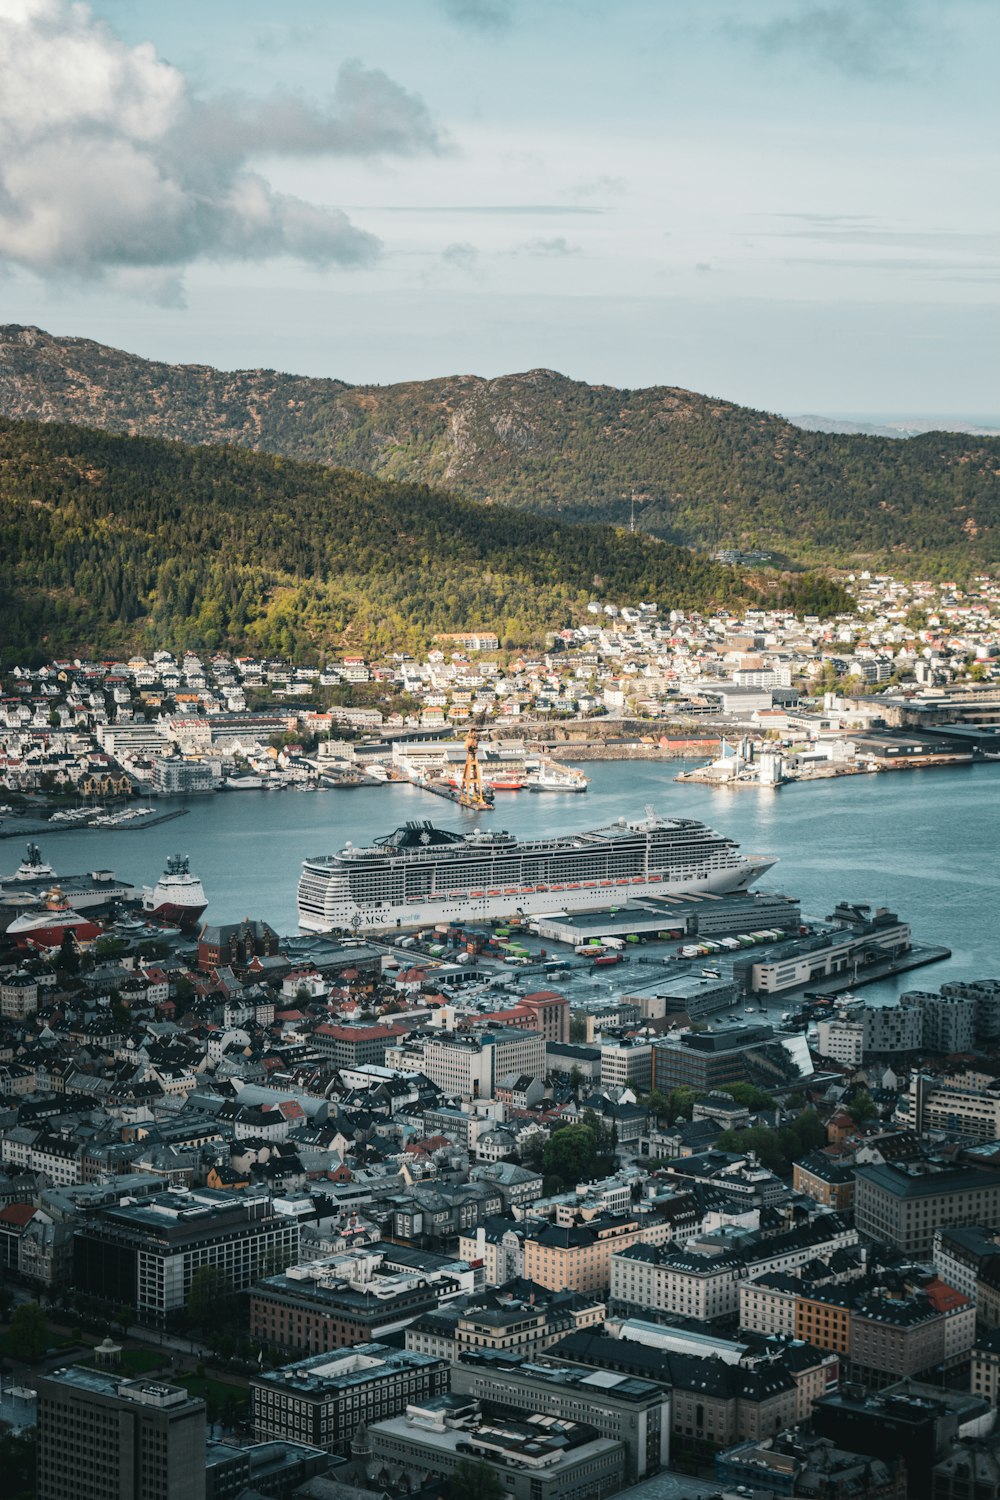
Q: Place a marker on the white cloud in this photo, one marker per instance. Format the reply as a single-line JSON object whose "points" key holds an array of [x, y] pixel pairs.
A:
{"points": [[109, 163], [557, 245], [484, 15], [462, 256], [880, 39]]}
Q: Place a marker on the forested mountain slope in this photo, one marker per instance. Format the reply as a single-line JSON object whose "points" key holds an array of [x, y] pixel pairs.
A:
{"points": [[108, 542], [700, 472]]}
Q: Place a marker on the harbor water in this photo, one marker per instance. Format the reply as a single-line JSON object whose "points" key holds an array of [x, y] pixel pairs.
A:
{"points": [[923, 843]]}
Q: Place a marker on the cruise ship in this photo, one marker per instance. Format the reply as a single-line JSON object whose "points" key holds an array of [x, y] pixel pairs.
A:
{"points": [[421, 874]]}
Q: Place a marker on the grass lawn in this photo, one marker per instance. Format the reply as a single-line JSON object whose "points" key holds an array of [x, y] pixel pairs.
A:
{"points": [[219, 1392], [55, 1341]]}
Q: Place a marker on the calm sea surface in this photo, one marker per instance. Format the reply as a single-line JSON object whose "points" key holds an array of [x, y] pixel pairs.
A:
{"points": [[925, 843]]}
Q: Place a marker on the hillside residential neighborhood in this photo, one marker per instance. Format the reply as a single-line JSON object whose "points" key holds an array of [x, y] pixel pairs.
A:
{"points": [[831, 695]]}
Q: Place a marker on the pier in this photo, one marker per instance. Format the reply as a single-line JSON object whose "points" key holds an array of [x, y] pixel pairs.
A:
{"points": [[16, 828]]}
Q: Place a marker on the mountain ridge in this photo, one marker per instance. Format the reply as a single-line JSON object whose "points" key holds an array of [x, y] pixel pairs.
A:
{"points": [[111, 543], [694, 470]]}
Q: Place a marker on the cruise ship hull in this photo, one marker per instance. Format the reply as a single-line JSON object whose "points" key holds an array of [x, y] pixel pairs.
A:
{"points": [[421, 875], [591, 896]]}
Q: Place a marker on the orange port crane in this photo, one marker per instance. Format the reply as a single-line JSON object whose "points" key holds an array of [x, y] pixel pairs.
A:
{"points": [[472, 793]]}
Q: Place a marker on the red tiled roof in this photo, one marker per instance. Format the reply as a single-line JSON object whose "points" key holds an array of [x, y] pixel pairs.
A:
{"points": [[17, 1213], [944, 1298]]}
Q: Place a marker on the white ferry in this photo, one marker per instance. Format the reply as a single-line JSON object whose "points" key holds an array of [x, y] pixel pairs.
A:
{"points": [[421, 874]]}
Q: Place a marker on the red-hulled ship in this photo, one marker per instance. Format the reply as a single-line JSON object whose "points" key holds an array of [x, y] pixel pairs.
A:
{"points": [[46, 928], [178, 897]]}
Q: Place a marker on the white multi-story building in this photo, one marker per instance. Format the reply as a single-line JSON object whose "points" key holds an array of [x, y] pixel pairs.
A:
{"points": [[702, 1280], [767, 1305], [946, 1104], [148, 1254], [849, 1036], [842, 1039], [469, 1065]]}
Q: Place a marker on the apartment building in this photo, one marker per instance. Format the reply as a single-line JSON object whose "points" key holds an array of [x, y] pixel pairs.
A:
{"points": [[107, 1438], [985, 1374], [702, 1279], [578, 1255], [323, 1400], [353, 1046], [960, 1109], [18, 996], [538, 1458], [902, 1205], [987, 1294], [825, 1181], [986, 994], [518, 1322], [960, 1255], [624, 1408], [627, 1064], [768, 1304], [893, 1337], [718, 1397], [823, 1317], [356, 1298], [545, 1011], [883, 1327], [467, 1065], [948, 1019], [841, 1038], [849, 1036], [706, 1060], [145, 1255]]}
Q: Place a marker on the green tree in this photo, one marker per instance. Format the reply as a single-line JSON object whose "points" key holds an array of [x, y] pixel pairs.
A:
{"points": [[68, 957], [110, 947], [28, 1335], [472, 1479], [18, 1460], [183, 991], [211, 1302], [748, 1095], [570, 1154], [533, 1151], [861, 1107]]}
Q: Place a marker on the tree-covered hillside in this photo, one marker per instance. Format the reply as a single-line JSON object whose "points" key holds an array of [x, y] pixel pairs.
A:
{"points": [[109, 542], [699, 472]]}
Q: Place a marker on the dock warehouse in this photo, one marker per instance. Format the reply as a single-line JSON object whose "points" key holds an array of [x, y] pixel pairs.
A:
{"points": [[681, 916]]}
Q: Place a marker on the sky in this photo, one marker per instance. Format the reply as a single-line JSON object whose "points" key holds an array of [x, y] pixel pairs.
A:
{"points": [[787, 203]]}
